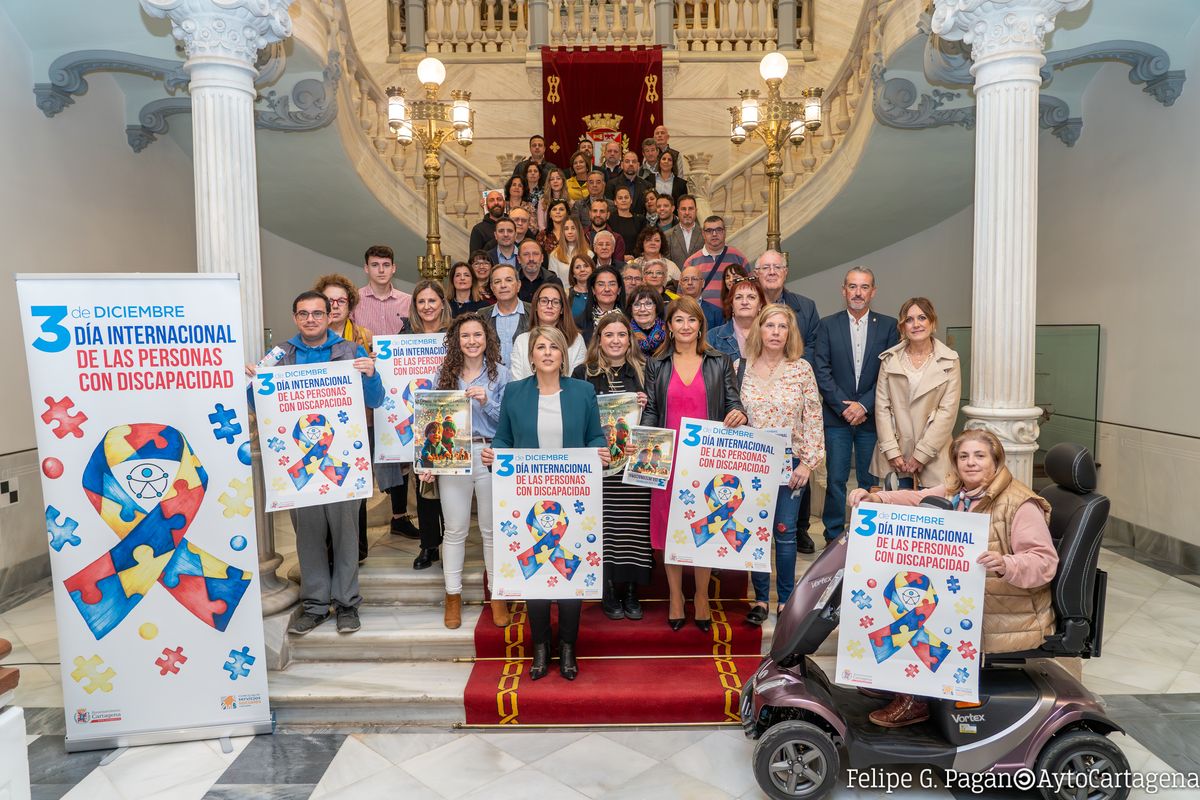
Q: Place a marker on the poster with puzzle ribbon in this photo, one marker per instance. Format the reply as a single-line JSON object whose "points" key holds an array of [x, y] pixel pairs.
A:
{"points": [[912, 601], [312, 422], [139, 398], [406, 365]]}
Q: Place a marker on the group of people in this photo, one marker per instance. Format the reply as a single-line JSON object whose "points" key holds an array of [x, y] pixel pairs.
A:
{"points": [[532, 344]]}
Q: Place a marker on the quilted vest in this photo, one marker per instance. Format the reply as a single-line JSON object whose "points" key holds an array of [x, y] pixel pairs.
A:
{"points": [[1014, 619], [341, 351]]}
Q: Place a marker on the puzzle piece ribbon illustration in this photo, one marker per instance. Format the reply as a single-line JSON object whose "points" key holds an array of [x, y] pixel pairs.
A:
{"points": [[720, 519], [911, 600], [547, 545], [316, 456], [404, 425], [152, 547]]}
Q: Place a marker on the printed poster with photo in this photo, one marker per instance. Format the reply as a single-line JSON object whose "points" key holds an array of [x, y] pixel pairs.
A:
{"points": [[912, 601], [548, 509], [312, 422], [442, 426], [619, 412], [143, 444], [650, 465], [785, 472], [406, 365], [726, 482]]}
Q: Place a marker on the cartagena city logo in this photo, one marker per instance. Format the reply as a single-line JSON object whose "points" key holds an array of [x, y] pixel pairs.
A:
{"points": [[84, 717]]}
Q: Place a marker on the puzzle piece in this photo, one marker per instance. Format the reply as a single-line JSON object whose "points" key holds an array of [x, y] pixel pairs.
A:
{"points": [[859, 598], [276, 444], [965, 606], [238, 665], [953, 585], [61, 533], [507, 571], [966, 649], [279, 484], [237, 504], [343, 417], [60, 411], [147, 567], [88, 669], [911, 670], [855, 649], [171, 661], [961, 674], [354, 430], [225, 424], [866, 622], [579, 506], [589, 523], [100, 597]]}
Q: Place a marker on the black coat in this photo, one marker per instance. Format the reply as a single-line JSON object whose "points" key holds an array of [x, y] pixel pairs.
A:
{"points": [[720, 382], [599, 382]]}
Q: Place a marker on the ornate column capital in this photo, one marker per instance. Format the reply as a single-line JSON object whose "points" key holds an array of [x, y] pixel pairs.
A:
{"points": [[998, 27], [235, 29]]}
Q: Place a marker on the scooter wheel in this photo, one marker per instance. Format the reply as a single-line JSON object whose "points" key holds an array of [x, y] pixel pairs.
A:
{"points": [[1092, 760], [795, 760]]}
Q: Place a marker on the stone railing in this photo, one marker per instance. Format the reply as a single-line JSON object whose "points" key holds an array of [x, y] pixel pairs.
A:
{"points": [[739, 193], [452, 27]]}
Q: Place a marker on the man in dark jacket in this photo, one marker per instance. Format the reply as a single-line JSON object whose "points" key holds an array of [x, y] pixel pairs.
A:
{"points": [[847, 366], [532, 273], [485, 230], [629, 179]]}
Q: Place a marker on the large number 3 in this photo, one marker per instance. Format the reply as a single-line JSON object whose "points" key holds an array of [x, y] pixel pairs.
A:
{"points": [[867, 528], [385, 351], [62, 337], [693, 435], [504, 462], [267, 381]]}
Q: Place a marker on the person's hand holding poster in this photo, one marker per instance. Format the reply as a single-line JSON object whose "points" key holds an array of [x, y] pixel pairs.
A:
{"points": [[548, 507], [442, 420], [912, 601], [725, 486], [618, 413], [653, 454], [406, 365]]}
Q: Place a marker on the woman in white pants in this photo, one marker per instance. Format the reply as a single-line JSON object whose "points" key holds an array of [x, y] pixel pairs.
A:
{"points": [[472, 365]]}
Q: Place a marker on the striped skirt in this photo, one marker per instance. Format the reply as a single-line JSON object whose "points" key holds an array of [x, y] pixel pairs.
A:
{"points": [[627, 554]]}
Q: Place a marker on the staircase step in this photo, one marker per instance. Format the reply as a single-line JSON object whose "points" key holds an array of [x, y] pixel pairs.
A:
{"points": [[369, 693], [391, 633]]}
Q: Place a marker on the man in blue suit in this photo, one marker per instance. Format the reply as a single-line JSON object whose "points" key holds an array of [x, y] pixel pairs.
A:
{"points": [[847, 365]]}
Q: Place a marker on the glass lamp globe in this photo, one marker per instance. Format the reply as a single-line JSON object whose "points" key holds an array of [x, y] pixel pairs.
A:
{"points": [[430, 70], [774, 66]]}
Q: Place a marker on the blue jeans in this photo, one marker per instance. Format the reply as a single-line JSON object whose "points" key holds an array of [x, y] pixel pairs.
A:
{"points": [[839, 441], [786, 508]]}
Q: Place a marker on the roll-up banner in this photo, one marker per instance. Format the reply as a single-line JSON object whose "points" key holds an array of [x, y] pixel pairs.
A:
{"points": [[139, 396]]}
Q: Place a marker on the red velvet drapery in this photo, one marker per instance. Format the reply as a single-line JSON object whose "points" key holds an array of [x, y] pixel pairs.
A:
{"points": [[599, 93]]}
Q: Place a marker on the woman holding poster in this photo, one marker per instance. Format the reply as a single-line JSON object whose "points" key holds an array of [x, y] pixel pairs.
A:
{"points": [[1018, 612], [548, 410], [614, 366], [689, 379], [779, 390], [550, 307], [473, 366]]}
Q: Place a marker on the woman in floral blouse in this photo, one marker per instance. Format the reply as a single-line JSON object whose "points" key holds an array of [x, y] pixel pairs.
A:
{"points": [[779, 390]]}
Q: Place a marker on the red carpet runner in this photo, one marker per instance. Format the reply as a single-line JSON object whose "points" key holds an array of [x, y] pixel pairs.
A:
{"points": [[645, 687]]}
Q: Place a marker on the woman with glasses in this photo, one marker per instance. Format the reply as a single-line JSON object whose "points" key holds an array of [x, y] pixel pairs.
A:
{"points": [[481, 268], [550, 411], [462, 290], [605, 294], [614, 366], [472, 365], [578, 275], [550, 309], [779, 390], [687, 379], [743, 301], [647, 324]]}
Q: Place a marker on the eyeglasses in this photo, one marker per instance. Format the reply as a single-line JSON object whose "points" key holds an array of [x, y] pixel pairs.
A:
{"points": [[771, 268], [338, 301], [744, 279], [317, 315], [714, 230], [549, 301], [644, 304]]}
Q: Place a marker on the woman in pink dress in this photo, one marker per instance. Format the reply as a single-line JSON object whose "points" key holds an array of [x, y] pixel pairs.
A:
{"points": [[688, 379]]}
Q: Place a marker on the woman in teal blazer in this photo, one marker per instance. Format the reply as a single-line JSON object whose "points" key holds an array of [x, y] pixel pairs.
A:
{"points": [[550, 410]]}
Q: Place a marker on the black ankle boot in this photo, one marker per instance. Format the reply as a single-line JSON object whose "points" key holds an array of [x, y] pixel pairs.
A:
{"points": [[541, 661], [425, 558], [566, 661], [609, 603], [630, 604]]}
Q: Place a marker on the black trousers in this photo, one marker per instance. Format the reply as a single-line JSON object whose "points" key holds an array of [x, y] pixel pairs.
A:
{"points": [[429, 520], [568, 620], [805, 513]]}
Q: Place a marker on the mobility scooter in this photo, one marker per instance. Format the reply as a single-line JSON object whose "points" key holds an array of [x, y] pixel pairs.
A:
{"points": [[1034, 727]]}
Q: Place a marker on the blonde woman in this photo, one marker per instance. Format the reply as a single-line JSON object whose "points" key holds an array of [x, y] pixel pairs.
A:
{"points": [[916, 400], [779, 390], [570, 244]]}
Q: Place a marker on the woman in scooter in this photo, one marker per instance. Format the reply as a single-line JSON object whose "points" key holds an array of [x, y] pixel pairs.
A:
{"points": [[1021, 560]]}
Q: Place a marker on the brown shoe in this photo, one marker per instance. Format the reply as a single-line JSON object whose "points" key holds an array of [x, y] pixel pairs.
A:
{"points": [[500, 614], [453, 611], [904, 710]]}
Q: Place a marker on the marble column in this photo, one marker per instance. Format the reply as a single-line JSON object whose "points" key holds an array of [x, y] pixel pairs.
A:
{"points": [[539, 24], [786, 23], [221, 39], [1007, 39], [414, 22], [664, 23]]}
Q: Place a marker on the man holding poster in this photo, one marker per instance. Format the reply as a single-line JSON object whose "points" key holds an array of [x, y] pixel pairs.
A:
{"points": [[323, 583], [1020, 561]]}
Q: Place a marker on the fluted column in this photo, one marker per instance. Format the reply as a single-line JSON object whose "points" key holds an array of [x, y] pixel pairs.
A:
{"points": [[221, 39], [414, 23], [1007, 39], [664, 23], [786, 23], [539, 24]]}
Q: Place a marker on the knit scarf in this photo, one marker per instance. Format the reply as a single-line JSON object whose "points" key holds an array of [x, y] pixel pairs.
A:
{"points": [[649, 340]]}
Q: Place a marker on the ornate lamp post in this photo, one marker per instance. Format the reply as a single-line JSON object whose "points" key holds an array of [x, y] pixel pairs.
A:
{"points": [[775, 122], [432, 122]]}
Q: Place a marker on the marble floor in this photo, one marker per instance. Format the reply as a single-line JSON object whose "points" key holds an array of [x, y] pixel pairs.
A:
{"points": [[1149, 676]]}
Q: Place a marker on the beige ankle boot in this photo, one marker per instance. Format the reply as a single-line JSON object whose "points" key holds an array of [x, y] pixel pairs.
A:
{"points": [[500, 613], [453, 610]]}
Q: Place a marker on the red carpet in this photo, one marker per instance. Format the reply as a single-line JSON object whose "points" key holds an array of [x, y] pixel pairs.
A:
{"points": [[649, 686]]}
